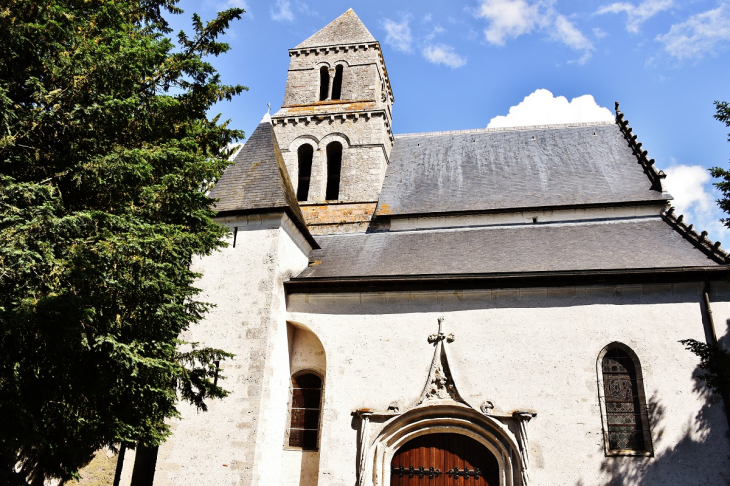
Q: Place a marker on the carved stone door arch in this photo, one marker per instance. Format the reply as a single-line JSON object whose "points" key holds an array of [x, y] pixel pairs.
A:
{"points": [[442, 410]]}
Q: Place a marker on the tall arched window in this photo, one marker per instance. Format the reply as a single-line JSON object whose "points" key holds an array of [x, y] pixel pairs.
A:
{"points": [[324, 83], [304, 155], [334, 169], [337, 83], [306, 402], [626, 421]]}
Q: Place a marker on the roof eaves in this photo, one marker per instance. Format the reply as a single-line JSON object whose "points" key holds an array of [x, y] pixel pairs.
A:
{"points": [[473, 212], [663, 275], [301, 226], [655, 176], [700, 240]]}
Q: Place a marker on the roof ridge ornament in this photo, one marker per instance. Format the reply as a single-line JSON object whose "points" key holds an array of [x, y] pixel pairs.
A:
{"points": [[440, 383], [656, 176], [700, 240]]}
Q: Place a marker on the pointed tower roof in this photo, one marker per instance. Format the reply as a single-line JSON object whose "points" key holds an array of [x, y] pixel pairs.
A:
{"points": [[345, 29], [258, 182]]}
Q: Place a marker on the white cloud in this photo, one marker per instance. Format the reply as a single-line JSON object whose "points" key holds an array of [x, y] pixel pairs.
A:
{"points": [[511, 18], [283, 11], [569, 35], [637, 15], [436, 31], [694, 197], [443, 54], [398, 34], [219, 5], [699, 35], [599, 33], [542, 108]]}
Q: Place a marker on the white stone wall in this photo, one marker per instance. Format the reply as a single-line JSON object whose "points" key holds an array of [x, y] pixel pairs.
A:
{"points": [[238, 441], [528, 350]]}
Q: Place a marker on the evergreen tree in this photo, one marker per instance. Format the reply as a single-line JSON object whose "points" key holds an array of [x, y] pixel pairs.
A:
{"points": [[715, 361], [106, 157]]}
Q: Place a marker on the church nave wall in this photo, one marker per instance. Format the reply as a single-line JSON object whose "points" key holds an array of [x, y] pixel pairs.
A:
{"points": [[526, 350]]}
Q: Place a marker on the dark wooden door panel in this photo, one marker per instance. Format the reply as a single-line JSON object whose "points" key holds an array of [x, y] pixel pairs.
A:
{"points": [[444, 460]]}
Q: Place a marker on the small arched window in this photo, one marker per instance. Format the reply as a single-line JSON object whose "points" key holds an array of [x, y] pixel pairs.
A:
{"points": [[624, 404], [337, 83], [306, 403], [324, 83], [334, 169], [304, 155]]}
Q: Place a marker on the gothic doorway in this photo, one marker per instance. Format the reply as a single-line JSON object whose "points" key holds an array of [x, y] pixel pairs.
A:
{"points": [[444, 460]]}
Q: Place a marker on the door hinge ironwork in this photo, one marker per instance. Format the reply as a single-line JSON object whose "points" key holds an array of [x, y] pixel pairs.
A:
{"points": [[456, 473], [416, 471]]}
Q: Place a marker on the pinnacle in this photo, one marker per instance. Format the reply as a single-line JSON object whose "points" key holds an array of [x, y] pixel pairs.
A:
{"points": [[345, 29]]}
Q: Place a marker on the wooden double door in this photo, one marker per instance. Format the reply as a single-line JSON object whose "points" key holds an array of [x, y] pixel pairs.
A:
{"points": [[444, 460]]}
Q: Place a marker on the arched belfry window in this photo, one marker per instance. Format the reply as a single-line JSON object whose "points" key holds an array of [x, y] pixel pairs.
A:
{"points": [[334, 169], [324, 83], [306, 404], [304, 155], [626, 421], [337, 83]]}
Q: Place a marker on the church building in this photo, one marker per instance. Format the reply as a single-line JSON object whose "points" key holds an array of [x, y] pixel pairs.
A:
{"points": [[495, 307]]}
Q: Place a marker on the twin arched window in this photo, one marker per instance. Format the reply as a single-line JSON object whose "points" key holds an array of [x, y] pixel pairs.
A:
{"points": [[306, 404], [305, 155], [621, 392], [324, 83]]}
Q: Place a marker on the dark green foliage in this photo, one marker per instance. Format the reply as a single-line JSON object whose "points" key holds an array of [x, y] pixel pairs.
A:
{"points": [[106, 154], [714, 362], [723, 114]]}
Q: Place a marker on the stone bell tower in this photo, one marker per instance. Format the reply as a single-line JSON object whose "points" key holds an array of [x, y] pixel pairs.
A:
{"points": [[334, 128]]}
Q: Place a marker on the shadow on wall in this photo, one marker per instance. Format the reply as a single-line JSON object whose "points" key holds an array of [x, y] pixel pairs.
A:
{"points": [[699, 458], [376, 303]]}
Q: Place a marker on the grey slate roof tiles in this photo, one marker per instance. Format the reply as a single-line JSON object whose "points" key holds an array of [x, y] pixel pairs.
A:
{"points": [[623, 244], [258, 180], [345, 29], [480, 170]]}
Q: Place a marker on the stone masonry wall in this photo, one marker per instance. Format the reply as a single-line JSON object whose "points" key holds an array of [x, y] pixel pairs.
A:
{"points": [[238, 440], [363, 78], [324, 219]]}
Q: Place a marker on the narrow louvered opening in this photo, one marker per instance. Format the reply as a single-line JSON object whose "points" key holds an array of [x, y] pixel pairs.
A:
{"points": [[304, 154], [337, 83], [324, 83], [334, 168]]}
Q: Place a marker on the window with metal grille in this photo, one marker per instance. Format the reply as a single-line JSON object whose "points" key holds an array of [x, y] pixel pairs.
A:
{"points": [[306, 401], [625, 406]]}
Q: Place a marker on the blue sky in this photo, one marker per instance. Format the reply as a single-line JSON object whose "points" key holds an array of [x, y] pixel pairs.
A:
{"points": [[458, 64]]}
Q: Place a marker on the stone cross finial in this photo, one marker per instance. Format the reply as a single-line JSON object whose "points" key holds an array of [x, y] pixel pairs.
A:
{"points": [[440, 336]]}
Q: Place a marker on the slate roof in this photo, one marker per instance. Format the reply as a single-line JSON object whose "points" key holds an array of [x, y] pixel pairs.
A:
{"points": [[617, 244], [258, 181], [345, 29], [497, 169]]}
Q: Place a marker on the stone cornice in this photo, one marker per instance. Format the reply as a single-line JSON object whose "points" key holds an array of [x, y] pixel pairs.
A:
{"points": [[332, 117]]}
